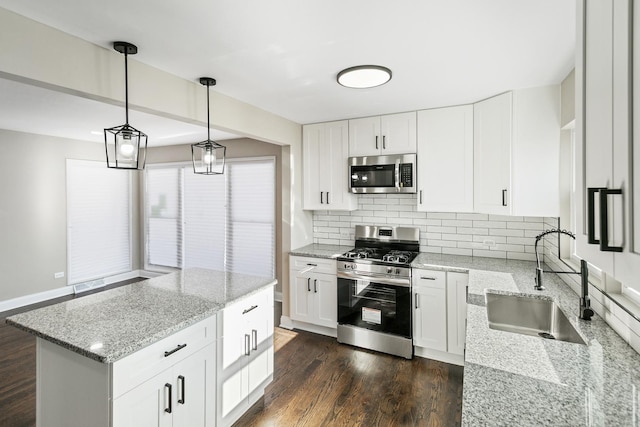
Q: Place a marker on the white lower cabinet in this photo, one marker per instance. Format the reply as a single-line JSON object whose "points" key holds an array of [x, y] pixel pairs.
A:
{"points": [[177, 397], [313, 292], [439, 314], [245, 354]]}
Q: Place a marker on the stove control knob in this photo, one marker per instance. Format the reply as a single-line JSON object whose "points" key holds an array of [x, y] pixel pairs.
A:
{"points": [[389, 270], [398, 271]]}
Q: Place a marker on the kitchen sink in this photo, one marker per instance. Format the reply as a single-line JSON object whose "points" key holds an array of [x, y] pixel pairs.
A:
{"points": [[530, 316]]}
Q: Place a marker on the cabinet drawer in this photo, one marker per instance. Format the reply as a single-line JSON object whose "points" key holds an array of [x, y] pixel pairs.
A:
{"points": [[429, 278], [315, 265], [149, 361]]}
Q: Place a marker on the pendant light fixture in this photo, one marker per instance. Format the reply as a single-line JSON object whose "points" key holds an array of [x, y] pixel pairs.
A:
{"points": [[208, 156], [125, 145]]}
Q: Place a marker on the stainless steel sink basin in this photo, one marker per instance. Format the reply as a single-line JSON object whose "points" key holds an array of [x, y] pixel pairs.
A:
{"points": [[530, 316]]}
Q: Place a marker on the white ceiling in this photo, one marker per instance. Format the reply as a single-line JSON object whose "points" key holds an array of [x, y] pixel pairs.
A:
{"points": [[283, 55]]}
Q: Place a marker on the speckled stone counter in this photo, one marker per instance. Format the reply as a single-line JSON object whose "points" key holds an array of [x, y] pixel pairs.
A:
{"points": [[130, 317], [317, 250], [512, 379]]}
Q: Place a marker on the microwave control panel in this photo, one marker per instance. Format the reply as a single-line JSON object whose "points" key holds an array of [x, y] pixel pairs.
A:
{"points": [[406, 175]]}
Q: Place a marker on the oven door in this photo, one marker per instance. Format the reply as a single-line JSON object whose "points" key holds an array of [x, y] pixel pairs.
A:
{"points": [[375, 305]]}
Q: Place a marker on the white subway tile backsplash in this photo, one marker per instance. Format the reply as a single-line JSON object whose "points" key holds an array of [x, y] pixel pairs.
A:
{"points": [[440, 232]]}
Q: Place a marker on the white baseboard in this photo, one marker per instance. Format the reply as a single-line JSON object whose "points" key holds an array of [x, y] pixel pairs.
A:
{"points": [[25, 300], [287, 323], [441, 356], [18, 302]]}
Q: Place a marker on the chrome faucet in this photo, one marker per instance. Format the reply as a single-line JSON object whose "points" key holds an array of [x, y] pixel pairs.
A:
{"points": [[586, 312]]}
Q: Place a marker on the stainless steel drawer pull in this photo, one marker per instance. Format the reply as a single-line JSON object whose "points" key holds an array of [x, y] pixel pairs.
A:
{"points": [[181, 399], [246, 310], [312, 265], [178, 348], [427, 278]]}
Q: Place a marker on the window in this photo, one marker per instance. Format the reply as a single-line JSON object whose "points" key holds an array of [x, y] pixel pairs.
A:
{"points": [[223, 222], [98, 221]]}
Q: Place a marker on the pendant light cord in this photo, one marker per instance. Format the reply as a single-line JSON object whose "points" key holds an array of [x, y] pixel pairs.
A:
{"points": [[208, 115], [126, 87]]}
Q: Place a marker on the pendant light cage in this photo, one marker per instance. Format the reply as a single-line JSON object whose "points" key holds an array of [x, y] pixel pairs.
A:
{"points": [[208, 156], [125, 146]]}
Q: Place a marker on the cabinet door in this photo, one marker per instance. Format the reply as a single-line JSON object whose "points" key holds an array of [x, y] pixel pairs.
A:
{"points": [[364, 137], [456, 311], [492, 155], [260, 367], [325, 294], [430, 318], [300, 287], [445, 159], [594, 125], [313, 154], [334, 168], [398, 132], [194, 385], [144, 406]]}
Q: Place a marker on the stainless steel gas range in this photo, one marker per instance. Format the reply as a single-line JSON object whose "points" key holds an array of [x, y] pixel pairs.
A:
{"points": [[374, 289]]}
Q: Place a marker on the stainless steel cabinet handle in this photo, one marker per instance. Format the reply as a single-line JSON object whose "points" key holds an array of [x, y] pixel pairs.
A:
{"points": [[376, 142], [321, 202], [308, 284], [504, 197], [168, 409], [246, 310], [254, 336], [178, 348], [328, 202], [427, 278], [315, 286], [417, 305], [384, 142], [182, 388], [604, 220], [247, 345], [420, 196]]}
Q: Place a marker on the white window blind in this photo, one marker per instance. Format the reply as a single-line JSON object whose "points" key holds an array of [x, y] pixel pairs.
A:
{"points": [[98, 221], [223, 222]]}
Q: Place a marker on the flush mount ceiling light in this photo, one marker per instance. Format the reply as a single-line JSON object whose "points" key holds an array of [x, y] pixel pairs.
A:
{"points": [[364, 76], [126, 146], [208, 156]]}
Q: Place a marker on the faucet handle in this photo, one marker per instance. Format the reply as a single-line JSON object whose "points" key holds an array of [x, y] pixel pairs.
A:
{"points": [[538, 280]]}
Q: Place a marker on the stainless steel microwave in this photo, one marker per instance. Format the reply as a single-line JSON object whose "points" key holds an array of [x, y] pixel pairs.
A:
{"points": [[383, 174]]}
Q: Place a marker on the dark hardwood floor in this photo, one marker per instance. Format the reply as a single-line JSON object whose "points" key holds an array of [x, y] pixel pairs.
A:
{"points": [[317, 382]]}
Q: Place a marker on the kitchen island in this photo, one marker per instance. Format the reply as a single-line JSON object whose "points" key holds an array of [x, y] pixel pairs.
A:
{"points": [[160, 348]]}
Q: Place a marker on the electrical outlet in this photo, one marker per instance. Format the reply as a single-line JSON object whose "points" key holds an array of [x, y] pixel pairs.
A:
{"points": [[489, 242], [58, 275]]}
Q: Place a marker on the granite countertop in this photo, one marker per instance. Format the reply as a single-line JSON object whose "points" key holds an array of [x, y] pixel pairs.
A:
{"points": [[126, 319], [317, 250], [512, 379]]}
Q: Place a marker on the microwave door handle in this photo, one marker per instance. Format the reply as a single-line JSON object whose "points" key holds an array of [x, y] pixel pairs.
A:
{"points": [[398, 175]]}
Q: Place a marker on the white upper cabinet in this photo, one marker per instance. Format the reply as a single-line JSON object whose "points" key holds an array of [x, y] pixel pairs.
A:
{"points": [[492, 155], [445, 159], [517, 153], [389, 134], [325, 153], [608, 195]]}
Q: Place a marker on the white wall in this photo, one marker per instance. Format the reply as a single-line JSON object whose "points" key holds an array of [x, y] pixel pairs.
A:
{"points": [[33, 221]]}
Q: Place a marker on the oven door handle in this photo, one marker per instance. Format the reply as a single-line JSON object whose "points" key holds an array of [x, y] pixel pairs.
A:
{"points": [[385, 280]]}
